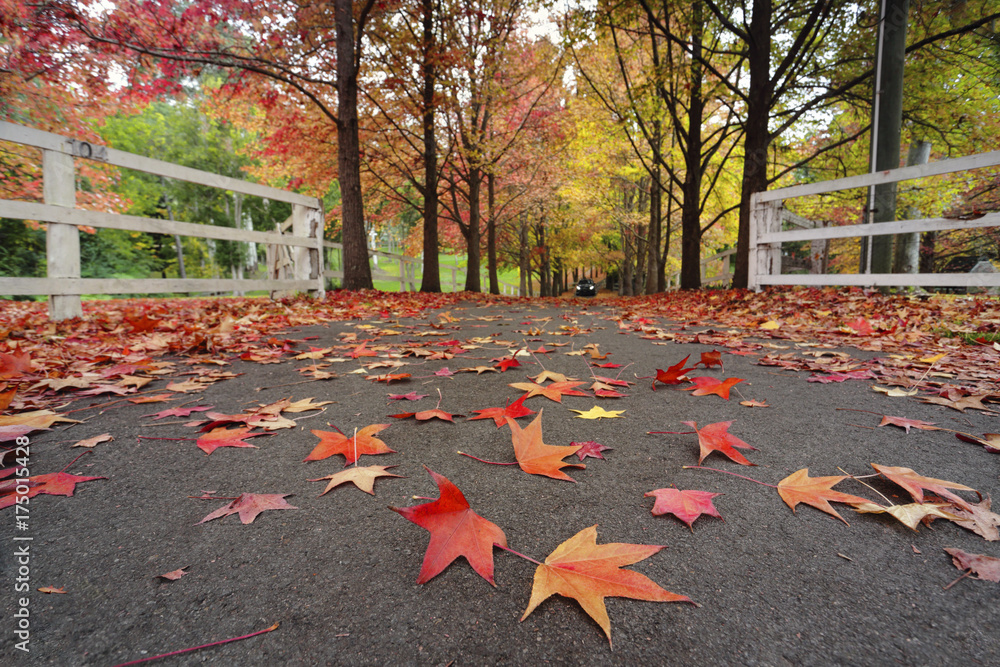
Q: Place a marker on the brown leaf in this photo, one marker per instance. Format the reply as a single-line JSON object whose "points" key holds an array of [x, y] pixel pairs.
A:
{"points": [[175, 574], [915, 484], [799, 487], [984, 567], [96, 440], [979, 519], [52, 589], [363, 478]]}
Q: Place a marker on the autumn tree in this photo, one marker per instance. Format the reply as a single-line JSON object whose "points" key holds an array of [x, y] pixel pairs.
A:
{"points": [[293, 47]]}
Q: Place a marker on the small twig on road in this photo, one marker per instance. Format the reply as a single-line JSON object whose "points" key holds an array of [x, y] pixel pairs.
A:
{"points": [[195, 648]]}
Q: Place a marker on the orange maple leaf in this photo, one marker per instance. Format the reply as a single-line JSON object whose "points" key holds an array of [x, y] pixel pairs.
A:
{"points": [[716, 438], [707, 385], [534, 456], [799, 487], [581, 569], [225, 437], [455, 531], [351, 447], [554, 391], [53, 483], [363, 478], [915, 485]]}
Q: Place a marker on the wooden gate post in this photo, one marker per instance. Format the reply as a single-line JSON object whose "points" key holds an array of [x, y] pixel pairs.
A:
{"points": [[307, 222], [62, 241]]}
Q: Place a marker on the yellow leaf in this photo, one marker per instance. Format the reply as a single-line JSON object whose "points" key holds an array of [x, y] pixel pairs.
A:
{"points": [[598, 413], [894, 392], [770, 325], [935, 358]]}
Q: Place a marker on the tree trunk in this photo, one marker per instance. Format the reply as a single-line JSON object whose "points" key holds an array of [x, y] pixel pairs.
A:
{"points": [[524, 267], [472, 236], [357, 271], [691, 192], [907, 254], [491, 234], [655, 210], [756, 139], [886, 140], [431, 281], [544, 274]]}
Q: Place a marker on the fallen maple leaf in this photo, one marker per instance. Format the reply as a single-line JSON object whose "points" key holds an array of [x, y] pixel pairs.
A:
{"points": [[175, 574], [424, 415], [984, 567], [989, 441], [412, 396], [546, 376], [979, 519], [179, 412], [52, 589], [304, 405], [41, 419], [686, 505], [96, 440], [225, 437], [915, 485], [513, 410], [186, 386], [597, 413], [754, 403], [455, 531], [709, 385], [907, 424], [961, 404], [709, 359], [352, 447], [674, 374], [534, 456], [554, 391], [14, 365], [363, 478], [716, 438], [506, 364], [909, 515], [799, 487], [581, 569], [53, 484], [249, 505], [590, 448]]}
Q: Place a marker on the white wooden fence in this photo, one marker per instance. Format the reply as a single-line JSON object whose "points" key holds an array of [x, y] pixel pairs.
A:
{"points": [[64, 284], [766, 236]]}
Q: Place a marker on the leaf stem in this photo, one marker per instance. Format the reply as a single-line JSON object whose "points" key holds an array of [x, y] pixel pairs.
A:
{"points": [[195, 648], [516, 553], [964, 575], [670, 432], [495, 463], [858, 479], [749, 479], [89, 451]]}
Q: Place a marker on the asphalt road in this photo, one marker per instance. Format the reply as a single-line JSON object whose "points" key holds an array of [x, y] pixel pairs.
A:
{"points": [[339, 573]]}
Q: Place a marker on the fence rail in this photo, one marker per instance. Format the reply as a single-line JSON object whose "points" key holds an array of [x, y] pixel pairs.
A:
{"points": [[766, 236]]}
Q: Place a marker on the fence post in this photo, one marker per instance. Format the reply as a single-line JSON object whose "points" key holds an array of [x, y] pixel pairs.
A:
{"points": [[765, 258], [307, 222], [62, 241]]}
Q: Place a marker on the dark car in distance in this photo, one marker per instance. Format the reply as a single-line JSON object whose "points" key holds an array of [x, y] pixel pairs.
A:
{"points": [[586, 287]]}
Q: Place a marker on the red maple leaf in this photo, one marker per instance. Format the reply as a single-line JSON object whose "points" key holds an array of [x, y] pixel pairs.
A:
{"points": [[707, 385], [498, 415], [455, 531], [716, 438], [412, 396], [14, 365], [686, 505], [861, 326], [589, 448], [223, 437], [672, 375], [249, 505], [709, 359], [506, 364], [53, 483]]}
